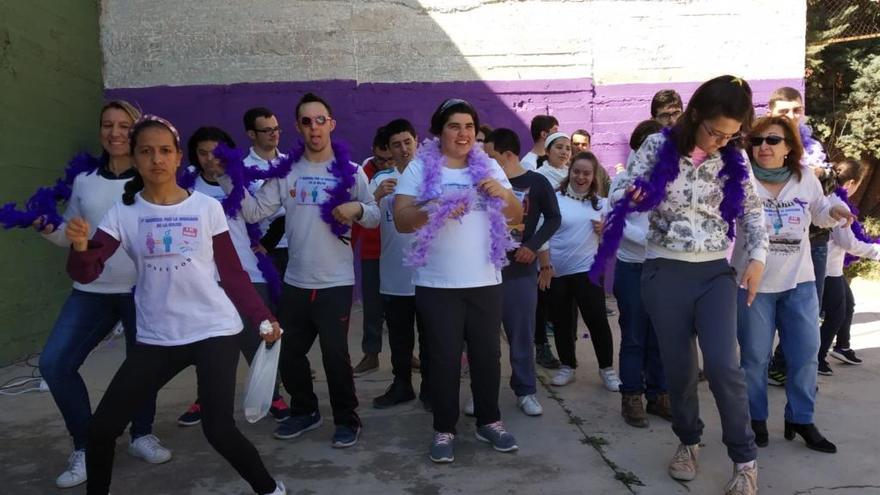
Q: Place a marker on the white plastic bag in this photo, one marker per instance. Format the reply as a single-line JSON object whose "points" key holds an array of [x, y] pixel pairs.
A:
{"points": [[261, 381]]}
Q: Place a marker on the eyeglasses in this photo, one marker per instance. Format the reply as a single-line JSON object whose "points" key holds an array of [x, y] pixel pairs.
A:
{"points": [[669, 115], [771, 140], [720, 136], [378, 160], [319, 121], [268, 130]]}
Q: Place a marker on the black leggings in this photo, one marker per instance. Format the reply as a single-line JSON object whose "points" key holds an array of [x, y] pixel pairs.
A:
{"points": [[591, 301], [838, 305], [146, 369]]}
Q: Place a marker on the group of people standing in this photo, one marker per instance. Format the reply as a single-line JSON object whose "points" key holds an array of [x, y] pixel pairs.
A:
{"points": [[458, 238]]}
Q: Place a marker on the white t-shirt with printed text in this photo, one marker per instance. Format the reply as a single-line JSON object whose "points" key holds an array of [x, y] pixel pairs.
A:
{"points": [[177, 297], [458, 257]]}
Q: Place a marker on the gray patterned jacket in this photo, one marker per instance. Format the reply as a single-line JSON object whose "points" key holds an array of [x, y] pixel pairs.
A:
{"points": [[687, 225]]}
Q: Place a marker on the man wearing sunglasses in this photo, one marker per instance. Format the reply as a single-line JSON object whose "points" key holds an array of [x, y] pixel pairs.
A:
{"points": [[317, 290], [263, 130], [788, 102]]}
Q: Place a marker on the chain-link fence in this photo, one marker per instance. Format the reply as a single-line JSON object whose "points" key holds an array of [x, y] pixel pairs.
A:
{"points": [[847, 20]]}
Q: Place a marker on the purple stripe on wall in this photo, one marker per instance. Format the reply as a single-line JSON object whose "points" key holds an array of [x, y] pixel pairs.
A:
{"points": [[609, 112], [360, 109], [618, 108]]}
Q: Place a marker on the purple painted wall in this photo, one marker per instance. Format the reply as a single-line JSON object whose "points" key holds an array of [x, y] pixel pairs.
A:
{"points": [[360, 109], [608, 112]]}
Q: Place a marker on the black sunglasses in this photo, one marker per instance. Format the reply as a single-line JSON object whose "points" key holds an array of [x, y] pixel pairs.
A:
{"points": [[771, 140]]}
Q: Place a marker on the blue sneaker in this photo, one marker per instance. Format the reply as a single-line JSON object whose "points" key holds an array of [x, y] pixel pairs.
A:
{"points": [[494, 433], [345, 436], [443, 447], [295, 426]]}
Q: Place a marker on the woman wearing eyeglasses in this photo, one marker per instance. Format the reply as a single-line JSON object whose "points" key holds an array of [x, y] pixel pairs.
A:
{"points": [[693, 181], [793, 199]]}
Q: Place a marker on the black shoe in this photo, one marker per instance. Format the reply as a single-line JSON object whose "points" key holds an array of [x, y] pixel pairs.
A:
{"points": [[811, 436], [824, 368], [845, 355], [397, 393], [762, 438], [544, 357]]}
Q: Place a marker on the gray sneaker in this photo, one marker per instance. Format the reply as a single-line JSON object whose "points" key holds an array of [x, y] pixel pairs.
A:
{"points": [[443, 448], [494, 433]]}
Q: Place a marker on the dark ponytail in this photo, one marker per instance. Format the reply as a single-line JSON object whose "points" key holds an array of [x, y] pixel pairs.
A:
{"points": [[133, 186]]}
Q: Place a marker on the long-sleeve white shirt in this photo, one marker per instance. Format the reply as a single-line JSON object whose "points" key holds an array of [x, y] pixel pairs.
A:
{"points": [[92, 196], [787, 219]]}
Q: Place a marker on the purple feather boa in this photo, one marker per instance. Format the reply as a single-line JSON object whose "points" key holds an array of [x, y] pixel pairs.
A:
{"points": [[342, 169], [264, 264], [440, 205], [44, 202], [858, 229], [734, 172], [814, 154]]}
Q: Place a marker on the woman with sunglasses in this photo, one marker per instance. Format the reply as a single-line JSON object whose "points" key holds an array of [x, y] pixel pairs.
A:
{"points": [[792, 199], [694, 182]]}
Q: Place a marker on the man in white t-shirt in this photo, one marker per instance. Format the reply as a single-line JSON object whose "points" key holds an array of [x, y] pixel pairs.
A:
{"points": [[261, 126], [395, 278], [318, 282], [541, 127]]}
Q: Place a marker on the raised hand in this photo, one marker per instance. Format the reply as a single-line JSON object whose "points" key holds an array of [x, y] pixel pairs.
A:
{"points": [[385, 188], [77, 232]]}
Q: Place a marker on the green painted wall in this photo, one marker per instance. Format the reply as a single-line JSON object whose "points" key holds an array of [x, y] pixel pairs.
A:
{"points": [[50, 91]]}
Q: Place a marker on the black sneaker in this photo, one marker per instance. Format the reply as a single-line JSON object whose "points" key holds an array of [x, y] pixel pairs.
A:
{"points": [[397, 393], [845, 355], [824, 369], [192, 416], [295, 426], [544, 357]]}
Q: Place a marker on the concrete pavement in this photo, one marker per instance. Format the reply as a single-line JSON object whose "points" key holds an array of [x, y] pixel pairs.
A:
{"points": [[579, 446]]}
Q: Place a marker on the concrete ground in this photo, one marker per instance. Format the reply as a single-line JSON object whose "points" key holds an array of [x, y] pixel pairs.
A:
{"points": [[579, 446]]}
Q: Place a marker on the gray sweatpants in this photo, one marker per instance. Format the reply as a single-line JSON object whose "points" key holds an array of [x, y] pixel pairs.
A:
{"points": [[687, 300]]}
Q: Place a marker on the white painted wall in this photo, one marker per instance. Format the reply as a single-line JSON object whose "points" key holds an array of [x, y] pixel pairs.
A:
{"points": [[173, 42]]}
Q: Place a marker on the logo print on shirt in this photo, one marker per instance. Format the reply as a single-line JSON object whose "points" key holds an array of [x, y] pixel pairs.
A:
{"points": [[170, 241]]}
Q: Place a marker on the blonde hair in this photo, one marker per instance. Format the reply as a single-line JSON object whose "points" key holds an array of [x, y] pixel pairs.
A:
{"points": [[123, 105]]}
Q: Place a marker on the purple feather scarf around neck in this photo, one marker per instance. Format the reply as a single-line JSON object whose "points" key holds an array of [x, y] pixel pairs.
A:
{"points": [[665, 171], [440, 204]]}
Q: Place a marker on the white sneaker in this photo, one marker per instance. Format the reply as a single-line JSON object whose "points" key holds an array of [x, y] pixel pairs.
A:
{"points": [[279, 489], [530, 405], [149, 449], [469, 407], [563, 377], [75, 474], [610, 379]]}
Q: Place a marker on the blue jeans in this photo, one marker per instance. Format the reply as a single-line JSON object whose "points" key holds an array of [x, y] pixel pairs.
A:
{"points": [[518, 317], [85, 319], [795, 313], [641, 369]]}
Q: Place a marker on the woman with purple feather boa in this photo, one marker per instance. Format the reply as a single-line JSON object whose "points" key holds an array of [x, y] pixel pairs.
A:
{"points": [[459, 202], [93, 309], [694, 182], [246, 239]]}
